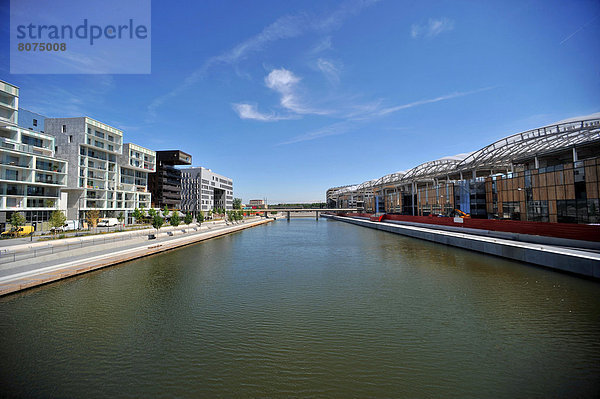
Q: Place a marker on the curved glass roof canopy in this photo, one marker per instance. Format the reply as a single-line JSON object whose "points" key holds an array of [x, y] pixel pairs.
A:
{"points": [[505, 152]]}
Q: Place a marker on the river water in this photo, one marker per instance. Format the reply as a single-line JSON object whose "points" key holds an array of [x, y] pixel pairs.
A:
{"points": [[306, 309]]}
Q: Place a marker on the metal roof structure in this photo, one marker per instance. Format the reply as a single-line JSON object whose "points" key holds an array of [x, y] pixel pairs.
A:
{"points": [[431, 169], [537, 141], [558, 136], [392, 178]]}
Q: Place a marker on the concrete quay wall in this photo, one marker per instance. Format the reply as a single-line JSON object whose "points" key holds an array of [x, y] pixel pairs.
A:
{"points": [[581, 262]]}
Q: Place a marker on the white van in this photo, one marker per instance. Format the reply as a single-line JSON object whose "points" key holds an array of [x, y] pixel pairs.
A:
{"points": [[108, 222], [71, 225]]}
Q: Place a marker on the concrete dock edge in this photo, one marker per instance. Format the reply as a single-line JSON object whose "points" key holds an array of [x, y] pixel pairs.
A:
{"points": [[22, 281], [575, 261]]}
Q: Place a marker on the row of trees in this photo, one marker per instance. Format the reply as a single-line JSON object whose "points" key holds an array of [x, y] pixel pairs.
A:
{"points": [[235, 215], [58, 218]]}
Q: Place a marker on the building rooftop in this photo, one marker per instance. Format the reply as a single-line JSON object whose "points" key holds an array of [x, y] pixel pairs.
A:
{"points": [[173, 157]]}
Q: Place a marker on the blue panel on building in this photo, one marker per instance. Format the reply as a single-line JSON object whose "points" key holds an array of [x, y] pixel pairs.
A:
{"points": [[31, 120]]}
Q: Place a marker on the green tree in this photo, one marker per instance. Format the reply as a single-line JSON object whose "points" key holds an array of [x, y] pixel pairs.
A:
{"points": [[137, 215], [91, 217], [157, 222], [57, 219], [200, 217], [189, 218], [240, 215], [165, 212], [152, 213], [237, 203], [17, 219], [175, 219]]}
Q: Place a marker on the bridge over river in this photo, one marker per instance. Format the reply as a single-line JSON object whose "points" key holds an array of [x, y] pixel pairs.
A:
{"points": [[302, 210]]}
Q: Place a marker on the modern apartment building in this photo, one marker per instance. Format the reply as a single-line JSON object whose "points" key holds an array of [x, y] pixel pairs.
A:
{"points": [[31, 176], [203, 190], [104, 173], [135, 164], [165, 183]]}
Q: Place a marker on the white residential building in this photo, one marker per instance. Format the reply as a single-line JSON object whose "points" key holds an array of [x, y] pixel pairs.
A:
{"points": [[31, 176], [104, 173], [135, 164], [203, 190]]}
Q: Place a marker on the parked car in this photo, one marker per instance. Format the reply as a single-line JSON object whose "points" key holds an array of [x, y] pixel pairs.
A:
{"points": [[18, 232], [108, 222]]}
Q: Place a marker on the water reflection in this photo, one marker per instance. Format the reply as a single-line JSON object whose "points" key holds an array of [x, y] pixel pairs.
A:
{"points": [[306, 308]]}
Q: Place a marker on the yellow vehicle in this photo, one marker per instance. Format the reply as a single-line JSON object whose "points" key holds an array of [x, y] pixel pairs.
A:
{"points": [[461, 214], [18, 232]]}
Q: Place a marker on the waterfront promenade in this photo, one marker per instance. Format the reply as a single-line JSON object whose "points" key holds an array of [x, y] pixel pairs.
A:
{"points": [[32, 271]]}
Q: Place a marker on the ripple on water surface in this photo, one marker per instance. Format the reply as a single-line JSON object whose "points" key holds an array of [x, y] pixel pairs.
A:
{"points": [[306, 308]]}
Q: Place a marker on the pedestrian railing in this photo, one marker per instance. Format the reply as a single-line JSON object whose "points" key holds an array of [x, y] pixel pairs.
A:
{"points": [[55, 246]]}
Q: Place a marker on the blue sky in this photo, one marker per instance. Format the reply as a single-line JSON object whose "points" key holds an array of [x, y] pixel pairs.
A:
{"points": [[291, 98]]}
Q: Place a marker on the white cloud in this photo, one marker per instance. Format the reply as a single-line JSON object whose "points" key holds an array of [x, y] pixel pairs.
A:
{"points": [[372, 111], [286, 27], [432, 28], [285, 83], [389, 110], [329, 69], [330, 130], [324, 44], [250, 111]]}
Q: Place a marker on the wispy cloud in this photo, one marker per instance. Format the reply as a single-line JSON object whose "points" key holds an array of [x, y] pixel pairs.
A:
{"points": [[396, 108], [286, 27], [87, 95], [329, 69], [370, 113], [330, 130], [579, 29], [250, 111], [432, 28], [322, 45], [285, 83]]}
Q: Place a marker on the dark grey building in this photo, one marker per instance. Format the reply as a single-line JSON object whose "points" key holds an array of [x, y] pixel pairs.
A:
{"points": [[165, 183]]}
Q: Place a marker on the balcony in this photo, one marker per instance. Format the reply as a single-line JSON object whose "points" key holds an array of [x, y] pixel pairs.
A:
{"points": [[50, 167], [14, 177], [14, 163], [103, 143], [14, 203], [40, 203], [96, 166], [16, 192], [47, 180], [95, 187]]}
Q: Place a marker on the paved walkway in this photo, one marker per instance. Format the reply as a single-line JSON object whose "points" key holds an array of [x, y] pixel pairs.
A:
{"points": [[21, 275]]}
